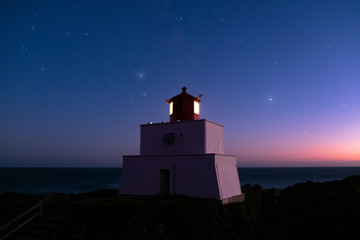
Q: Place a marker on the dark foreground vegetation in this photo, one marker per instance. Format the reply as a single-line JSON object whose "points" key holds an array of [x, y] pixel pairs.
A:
{"points": [[308, 210]]}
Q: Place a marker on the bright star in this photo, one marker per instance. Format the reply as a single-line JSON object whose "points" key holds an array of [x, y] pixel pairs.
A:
{"points": [[270, 99]]}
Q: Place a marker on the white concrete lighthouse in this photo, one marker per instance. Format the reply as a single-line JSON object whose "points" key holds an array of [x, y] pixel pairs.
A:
{"points": [[184, 156]]}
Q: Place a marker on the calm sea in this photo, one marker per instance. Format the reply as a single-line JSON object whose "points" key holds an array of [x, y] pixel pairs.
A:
{"points": [[77, 180]]}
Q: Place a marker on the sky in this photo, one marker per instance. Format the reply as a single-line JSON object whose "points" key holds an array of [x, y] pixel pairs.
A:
{"points": [[77, 78]]}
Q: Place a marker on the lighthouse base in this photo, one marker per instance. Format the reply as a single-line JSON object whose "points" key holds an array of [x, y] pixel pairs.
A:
{"points": [[197, 175]]}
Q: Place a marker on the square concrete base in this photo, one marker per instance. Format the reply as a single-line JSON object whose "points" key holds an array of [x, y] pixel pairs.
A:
{"points": [[197, 175]]}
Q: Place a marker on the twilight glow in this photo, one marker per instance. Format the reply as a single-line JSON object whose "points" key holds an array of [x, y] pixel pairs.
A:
{"points": [[77, 78]]}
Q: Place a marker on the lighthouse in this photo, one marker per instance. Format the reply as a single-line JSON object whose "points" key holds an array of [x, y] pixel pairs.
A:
{"points": [[184, 156]]}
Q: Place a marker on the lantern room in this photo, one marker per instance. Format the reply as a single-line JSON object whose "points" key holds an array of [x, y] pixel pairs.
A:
{"points": [[184, 107]]}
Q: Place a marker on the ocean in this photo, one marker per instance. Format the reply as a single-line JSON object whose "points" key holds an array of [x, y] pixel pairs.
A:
{"points": [[78, 180]]}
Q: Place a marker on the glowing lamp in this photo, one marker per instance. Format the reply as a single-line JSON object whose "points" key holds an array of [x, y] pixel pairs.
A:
{"points": [[171, 107], [184, 107], [196, 107]]}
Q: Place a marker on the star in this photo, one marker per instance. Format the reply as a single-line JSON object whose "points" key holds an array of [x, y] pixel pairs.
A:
{"points": [[270, 100], [140, 75]]}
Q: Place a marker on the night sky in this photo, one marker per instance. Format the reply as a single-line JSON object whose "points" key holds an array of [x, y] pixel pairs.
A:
{"points": [[78, 77]]}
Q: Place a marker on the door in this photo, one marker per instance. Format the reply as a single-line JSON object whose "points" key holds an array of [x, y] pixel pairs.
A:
{"points": [[164, 181]]}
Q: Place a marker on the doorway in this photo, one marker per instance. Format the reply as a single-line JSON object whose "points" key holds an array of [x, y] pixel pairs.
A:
{"points": [[164, 181]]}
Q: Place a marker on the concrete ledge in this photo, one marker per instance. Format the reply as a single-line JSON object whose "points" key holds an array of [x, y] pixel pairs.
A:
{"points": [[234, 199]]}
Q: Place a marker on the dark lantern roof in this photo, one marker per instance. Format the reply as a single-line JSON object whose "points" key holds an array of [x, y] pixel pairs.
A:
{"points": [[184, 95]]}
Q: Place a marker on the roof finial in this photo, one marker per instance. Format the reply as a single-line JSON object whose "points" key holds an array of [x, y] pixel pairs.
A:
{"points": [[184, 89]]}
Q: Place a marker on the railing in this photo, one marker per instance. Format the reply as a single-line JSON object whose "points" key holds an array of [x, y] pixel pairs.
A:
{"points": [[25, 217]]}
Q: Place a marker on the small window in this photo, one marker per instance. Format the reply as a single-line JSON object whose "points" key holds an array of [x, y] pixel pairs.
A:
{"points": [[169, 138], [196, 107], [171, 108]]}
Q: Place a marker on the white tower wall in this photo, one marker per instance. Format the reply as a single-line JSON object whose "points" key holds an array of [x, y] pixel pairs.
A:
{"points": [[190, 137], [214, 138]]}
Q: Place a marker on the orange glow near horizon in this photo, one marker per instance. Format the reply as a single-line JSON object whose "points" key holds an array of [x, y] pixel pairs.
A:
{"points": [[338, 147]]}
